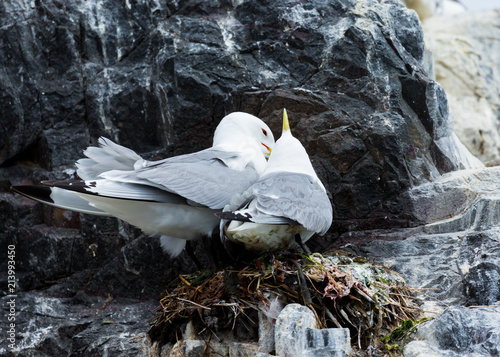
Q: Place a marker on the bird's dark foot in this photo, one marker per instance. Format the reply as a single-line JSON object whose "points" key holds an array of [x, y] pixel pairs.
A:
{"points": [[190, 252], [237, 253], [218, 253], [298, 239]]}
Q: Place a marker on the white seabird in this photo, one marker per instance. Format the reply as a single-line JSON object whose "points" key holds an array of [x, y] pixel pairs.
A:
{"points": [[175, 197], [287, 202]]}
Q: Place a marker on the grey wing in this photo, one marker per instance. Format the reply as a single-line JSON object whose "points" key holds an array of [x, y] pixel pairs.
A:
{"points": [[291, 196], [201, 177]]}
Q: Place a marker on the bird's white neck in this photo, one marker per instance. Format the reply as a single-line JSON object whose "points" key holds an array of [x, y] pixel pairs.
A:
{"points": [[290, 156], [250, 153]]}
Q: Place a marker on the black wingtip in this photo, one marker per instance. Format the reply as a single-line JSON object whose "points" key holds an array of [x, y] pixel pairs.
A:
{"points": [[72, 185], [232, 216], [39, 193]]}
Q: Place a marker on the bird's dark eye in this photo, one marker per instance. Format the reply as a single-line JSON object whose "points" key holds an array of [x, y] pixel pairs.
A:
{"points": [[264, 132]]}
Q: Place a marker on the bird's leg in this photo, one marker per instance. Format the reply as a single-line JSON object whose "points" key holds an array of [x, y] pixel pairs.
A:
{"points": [[220, 256], [303, 285], [190, 252], [298, 239], [214, 249]]}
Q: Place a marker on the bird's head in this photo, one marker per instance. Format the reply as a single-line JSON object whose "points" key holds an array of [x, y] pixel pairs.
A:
{"points": [[289, 155], [239, 129]]}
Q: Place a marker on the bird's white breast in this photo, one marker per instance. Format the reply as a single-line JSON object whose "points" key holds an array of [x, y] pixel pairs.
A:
{"points": [[262, 238]]}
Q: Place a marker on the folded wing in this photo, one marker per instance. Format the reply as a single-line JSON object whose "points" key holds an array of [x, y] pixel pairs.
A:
{"points": [[202, 178], [285, 198]]}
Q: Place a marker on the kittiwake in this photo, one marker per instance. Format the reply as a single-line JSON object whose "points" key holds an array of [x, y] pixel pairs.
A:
{"points": [[288, 202], [175, 197]]}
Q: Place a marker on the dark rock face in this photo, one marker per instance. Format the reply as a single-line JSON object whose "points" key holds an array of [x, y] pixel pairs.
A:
{"points": [[463, 331], [81, 325], [460, 332], [149, 77], [157, 77], [482, 285]]}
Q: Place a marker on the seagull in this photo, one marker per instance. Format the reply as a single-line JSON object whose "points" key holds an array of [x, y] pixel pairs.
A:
{"points": [[288, 203], [176, 197]]}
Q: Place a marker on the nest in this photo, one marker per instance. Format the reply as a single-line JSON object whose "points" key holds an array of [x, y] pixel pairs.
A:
{"points": [[341, 290]]}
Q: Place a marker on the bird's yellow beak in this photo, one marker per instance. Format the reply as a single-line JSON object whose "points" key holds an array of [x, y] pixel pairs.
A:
{"points": [[286, 125], [269, 150]]}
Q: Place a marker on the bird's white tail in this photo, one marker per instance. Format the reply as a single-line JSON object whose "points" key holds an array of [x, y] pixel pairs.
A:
{"points": [[108, 156]]}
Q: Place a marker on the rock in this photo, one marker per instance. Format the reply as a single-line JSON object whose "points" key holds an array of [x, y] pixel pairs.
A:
{"points": [[458, 332], [266, 334], [437, 264], [463, 48], [290, 331], [196, 348], [482, 285], [333, 342], [454, 257], [50, 326], [237, 349], [297, 334], [458, 201], [451, 260], [434, 8]]}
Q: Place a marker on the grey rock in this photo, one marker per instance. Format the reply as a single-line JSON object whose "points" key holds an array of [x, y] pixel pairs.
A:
{"points": [[196, 348], [437, 265], [266, 334], [290, 333], [237, 349], [220, 344], [459, 332], [452, 260], [466, 66], [81, 325], [296, 334], [456, 254], [482, 285], [458, 201], [334, 342]]}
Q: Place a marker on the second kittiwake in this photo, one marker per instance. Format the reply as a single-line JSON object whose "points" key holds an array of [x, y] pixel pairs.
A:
{"points": [[287, 204]]}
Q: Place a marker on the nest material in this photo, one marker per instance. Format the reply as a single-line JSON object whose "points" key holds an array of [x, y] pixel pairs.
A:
{"points": [[341, 290]]}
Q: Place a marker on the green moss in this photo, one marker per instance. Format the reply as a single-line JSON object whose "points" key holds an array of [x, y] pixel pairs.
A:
{"points": [[401, 335]]}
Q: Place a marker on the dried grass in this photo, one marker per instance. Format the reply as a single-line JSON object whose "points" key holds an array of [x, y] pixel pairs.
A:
{"points": [[341, 290]]}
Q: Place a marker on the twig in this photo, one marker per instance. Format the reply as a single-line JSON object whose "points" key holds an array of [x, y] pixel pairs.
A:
{"points": [[303, 285], [330, 315], [192, 302]]}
